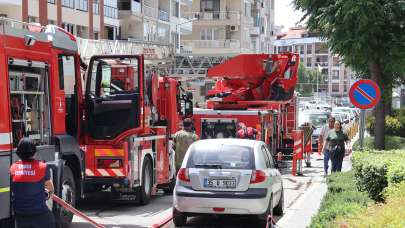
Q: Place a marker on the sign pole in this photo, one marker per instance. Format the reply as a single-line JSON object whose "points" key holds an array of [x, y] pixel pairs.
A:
{"points": [[362, 128]]}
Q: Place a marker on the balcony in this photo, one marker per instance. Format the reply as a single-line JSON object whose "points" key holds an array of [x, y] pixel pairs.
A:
{"points": [[136, 7], [224, 17], [150, 11], [211, 43], [164, 16]]}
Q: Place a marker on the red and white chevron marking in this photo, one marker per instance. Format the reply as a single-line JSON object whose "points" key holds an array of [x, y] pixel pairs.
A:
{"points": [[104, 173]]}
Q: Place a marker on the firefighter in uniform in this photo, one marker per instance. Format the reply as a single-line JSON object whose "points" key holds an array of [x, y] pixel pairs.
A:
{"points": [[31, 186], [244, 132], [182, 140]]}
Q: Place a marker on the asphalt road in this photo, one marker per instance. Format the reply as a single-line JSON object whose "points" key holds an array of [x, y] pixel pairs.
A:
{"points": [[120, 215]]}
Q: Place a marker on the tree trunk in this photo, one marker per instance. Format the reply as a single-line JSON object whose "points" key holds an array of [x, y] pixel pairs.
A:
{"points": [[388, 99], [379, 129]]}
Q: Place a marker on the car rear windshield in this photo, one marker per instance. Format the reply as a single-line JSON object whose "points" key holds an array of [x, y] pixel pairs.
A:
{"points": [[221, 157]]}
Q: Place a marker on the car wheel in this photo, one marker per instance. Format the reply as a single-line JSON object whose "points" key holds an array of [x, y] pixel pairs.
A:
{"points": [[279, 209], [179, 219], [269, 212], [147, 181]]}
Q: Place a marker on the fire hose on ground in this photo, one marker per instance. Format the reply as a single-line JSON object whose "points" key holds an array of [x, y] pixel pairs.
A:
{"points": [[70, 208]]}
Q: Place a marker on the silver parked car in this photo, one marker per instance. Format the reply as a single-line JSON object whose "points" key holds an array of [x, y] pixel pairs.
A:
{"points": [[227, 176]]}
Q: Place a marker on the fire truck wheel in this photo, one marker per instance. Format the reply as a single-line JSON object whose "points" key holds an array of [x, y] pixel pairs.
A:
{"points": [[68, 194], [147, 181], [279, 209]]}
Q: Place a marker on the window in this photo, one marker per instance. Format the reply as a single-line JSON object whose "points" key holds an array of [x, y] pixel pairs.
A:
{"points": [[266, 158], [111, 12], [272, 166], [335, 87], [68, 27], [209, 34], [335, 75], [175, 9], [96, 7], [112, 76], [68, 3], [29, 96], [110, 8], [221, 156], [82, 5], [51, 1], [209, 5], [247, 9]]}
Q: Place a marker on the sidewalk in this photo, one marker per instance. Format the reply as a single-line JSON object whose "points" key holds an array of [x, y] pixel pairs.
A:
{"points": [[299, 214]]}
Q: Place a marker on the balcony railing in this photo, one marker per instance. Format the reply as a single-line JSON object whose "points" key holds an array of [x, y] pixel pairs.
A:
{"points": [[322, 64], [164, 16], [211, 43], [216, 15], [150, 11], [136, 7]]}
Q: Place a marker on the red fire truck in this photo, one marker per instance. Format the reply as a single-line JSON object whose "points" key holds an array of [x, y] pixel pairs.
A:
{"points": [[109, 130], [256, 90]]}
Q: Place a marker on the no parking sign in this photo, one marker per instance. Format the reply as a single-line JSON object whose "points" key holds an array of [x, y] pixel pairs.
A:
{"points": [[365, 94]]}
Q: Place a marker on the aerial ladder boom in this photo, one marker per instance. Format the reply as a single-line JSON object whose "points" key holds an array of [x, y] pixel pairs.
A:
{"points": [[255, 77]]}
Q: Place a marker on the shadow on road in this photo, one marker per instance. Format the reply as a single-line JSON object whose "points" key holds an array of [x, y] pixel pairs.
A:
{"points": [[224, 221]]}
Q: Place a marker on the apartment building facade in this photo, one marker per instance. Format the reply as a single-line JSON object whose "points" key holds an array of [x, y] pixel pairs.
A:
{"points": [[152, 21], [95, 19], [229, 27], [315, 55]]}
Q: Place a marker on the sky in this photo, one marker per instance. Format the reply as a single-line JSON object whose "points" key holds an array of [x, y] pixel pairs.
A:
{"points": [[285, 14]]}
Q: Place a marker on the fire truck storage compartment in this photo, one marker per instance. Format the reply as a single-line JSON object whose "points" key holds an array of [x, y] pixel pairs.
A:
{"points": [[218, 128], [29, 101], [112, 107]]}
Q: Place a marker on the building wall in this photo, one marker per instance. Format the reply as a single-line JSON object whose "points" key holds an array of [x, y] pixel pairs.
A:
{"points": [[315, 55], [230, 28], [75, 18]]}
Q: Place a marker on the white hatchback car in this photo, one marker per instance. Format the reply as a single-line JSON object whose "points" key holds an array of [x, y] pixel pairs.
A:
{"points": [[227, 176]]}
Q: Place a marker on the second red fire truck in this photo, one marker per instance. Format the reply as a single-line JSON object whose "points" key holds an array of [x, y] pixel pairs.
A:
{"points": [[258, 91]]}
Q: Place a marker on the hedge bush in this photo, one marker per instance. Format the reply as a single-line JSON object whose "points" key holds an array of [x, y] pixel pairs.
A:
{"points": [[391, 143], [342, 198], [394, 125], [375, 170], [390, 214]]}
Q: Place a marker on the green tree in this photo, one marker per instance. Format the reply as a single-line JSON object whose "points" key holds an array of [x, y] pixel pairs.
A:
{"points": [[370, 37], [307, 80]]}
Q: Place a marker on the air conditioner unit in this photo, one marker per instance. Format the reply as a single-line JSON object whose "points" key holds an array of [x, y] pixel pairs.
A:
{"points": [[233, 28]]}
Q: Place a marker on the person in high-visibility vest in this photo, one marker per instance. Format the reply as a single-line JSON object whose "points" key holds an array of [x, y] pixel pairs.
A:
{"points": [[31, 187]]}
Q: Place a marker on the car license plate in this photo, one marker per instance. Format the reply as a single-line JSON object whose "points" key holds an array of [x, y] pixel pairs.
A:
{"points": [[219, 183]]}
